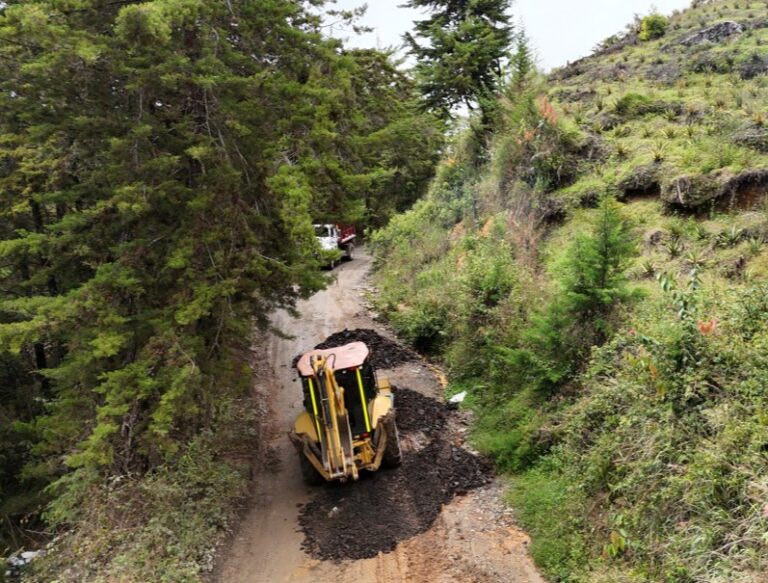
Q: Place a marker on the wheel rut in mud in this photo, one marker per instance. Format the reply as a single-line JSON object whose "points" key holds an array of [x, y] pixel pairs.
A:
{"points": [[360, 520]]}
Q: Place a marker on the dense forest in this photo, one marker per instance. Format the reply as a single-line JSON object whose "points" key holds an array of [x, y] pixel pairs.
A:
{"points": [[593, 275], [161, 165]]}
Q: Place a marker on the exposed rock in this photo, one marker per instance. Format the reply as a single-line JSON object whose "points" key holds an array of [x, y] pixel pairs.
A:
{"points": [[593, 148], [576, 95], [570, 70], [692, 192], [655, 237], [608, 121], [616, 43], [717, 34], [667, 73], [735, 268], [580, 66], [722, 187], [753, 136], [641, 180], [552, 209]]}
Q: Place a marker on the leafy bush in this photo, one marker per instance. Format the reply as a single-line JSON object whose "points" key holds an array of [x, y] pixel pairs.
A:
{"points": [[531, 368], [160, 527], [666, 439], [636, 431], [593, 281], [653, 26]]}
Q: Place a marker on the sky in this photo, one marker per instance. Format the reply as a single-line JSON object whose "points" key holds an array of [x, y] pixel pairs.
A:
{"points": [[560, 30]]}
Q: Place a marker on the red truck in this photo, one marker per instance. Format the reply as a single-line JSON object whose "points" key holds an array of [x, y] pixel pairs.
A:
{"points": [[341, 237]]}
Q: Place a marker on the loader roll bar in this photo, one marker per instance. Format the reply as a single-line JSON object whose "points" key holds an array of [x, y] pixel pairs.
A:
{"points": [[363, 401], [352, 355]]}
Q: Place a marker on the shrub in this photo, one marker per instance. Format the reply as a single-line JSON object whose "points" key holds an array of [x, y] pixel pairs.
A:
{"points": [[666, 441], [592, 283], [653, 26], [634, 105], [548, 507]]}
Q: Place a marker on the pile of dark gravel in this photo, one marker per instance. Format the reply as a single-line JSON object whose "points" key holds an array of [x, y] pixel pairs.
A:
{"points": [[359, 520], [385, 353]]}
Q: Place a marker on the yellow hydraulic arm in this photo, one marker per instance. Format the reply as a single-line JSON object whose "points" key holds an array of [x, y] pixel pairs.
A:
{"points": [[336, 433]]}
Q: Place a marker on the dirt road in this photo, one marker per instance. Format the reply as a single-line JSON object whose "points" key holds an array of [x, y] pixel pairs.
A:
{"points": [[472, 540]]}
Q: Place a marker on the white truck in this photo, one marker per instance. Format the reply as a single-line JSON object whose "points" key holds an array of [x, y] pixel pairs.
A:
{"points": [[336, 237]]}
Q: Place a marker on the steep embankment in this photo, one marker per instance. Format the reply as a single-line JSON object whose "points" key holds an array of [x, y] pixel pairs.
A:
{"points": [[596, 281]]}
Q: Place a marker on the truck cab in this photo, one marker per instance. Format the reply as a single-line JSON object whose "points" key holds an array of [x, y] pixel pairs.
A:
{"points": [[334, 237], [327, 236]]}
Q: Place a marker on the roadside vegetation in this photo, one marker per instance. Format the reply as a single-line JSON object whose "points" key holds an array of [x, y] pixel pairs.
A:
{"points": [[594, 277]]}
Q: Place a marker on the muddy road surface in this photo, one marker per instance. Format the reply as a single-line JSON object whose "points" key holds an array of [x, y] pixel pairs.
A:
{"points": [[436, 519]]}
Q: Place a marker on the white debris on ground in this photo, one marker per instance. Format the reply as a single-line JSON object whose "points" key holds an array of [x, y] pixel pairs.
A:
{"points": [[458, 398], [19, 560]]}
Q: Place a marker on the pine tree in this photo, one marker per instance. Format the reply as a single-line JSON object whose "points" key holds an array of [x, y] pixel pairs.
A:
{"points": [[595, 278], [161, 165], [592, 283], [463, 53], [522, 62]]}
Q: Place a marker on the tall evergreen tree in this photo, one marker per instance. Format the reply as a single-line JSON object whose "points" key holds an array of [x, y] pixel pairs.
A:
{"points": [[522, 63], [161, 164], [465, 44]]}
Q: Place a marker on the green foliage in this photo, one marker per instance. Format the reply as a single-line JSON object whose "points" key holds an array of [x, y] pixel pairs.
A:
{"points": [[548, 507], [692, 383], [592, 283], [168, 520], [509, 429], [465, 45], [161, 166], [653, 26], [522, 62], [534, 145], [636, 430]]}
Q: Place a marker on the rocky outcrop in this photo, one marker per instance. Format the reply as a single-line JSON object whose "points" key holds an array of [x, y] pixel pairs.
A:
{"points": [[639, 181], [721, 188], [716, 34], [690, 192]]}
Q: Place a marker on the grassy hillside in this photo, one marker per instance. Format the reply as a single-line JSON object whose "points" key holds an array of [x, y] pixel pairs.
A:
{"points": [[596, 279]]}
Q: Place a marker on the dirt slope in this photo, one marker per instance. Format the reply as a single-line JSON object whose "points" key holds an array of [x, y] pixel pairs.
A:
{"points": [[472, 540]]}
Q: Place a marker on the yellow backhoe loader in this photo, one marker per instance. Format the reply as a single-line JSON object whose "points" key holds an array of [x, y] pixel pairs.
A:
{"points": [[348, 424]]}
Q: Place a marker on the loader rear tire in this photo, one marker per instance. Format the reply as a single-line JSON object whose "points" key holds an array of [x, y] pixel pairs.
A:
{"points": [[308, 472], [393, 453]]}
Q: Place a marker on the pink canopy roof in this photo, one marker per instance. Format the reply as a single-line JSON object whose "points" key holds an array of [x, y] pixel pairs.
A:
{"points": [[348, 356]]}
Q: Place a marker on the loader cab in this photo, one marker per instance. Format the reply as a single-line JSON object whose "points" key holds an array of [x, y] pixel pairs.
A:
{"points": [[354, 373], [359, 384], [349, 420]]}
